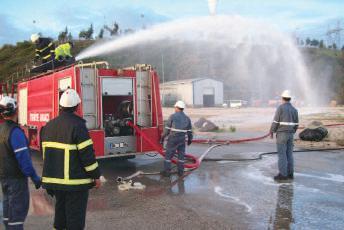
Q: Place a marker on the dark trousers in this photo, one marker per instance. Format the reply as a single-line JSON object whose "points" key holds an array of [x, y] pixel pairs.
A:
{"points": [[16, 199], [70, 209], [175, 145]]}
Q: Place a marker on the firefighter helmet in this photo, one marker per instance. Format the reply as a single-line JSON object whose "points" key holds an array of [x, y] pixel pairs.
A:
{"points": [[286, 94], [180, 104], [70, 98], [34, 37], [8, 106]]}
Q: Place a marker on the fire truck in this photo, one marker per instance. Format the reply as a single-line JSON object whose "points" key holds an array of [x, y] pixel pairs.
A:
{"points": [[110, 99]]}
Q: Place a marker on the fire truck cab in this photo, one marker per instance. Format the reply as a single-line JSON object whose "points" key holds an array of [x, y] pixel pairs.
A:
{"points": [[109, 99]]}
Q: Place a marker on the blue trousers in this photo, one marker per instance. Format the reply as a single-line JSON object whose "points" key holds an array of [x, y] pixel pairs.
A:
{"points": [[16, 199], [285, 146], [175, 145]]}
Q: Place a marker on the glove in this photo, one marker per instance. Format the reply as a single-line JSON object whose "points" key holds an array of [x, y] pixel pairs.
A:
{"points": [[189, 141], [50, 192], [38, 182]]}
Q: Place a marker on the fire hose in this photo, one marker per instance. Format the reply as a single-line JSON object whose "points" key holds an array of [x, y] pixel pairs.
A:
{"points": [[217, 142], [126, 182]]}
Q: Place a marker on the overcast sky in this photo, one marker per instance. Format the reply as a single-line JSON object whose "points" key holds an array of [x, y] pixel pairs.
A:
{"points": [[20, 18]]}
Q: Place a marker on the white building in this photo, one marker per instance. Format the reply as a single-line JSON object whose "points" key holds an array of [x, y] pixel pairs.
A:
{"points": [[196, 92]]}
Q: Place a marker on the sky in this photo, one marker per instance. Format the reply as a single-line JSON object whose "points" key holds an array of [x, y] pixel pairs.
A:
{"points": [[20, 18]]}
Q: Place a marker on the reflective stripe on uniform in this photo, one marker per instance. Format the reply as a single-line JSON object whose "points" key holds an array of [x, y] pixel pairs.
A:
{"points": [[67, 148], [20, 149], [91, 167], [59, 145], [46, 57], [15, 223], [178, 130], [66, 181], [168, 160], [286, 123], [41, 50], [84, 144]]}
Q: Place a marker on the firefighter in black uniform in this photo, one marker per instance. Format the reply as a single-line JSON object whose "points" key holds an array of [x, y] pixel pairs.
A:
{"points": [[45, 48], [70, 168]]}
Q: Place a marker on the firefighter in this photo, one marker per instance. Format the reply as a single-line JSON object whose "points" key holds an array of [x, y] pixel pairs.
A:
{"points": [[63, 51], [15, 167], [69, 168], [285, 124], [45, 48], [177, 128]]}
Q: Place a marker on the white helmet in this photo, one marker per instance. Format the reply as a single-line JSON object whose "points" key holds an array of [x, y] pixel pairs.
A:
{"points": [[180, 104], [70, 98], [34, 37], [286, 94], [8, 106]]}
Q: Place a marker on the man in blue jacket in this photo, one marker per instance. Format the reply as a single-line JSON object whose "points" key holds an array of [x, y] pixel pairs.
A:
{"points": [[15, 167], [178, 127], [285, 124]]}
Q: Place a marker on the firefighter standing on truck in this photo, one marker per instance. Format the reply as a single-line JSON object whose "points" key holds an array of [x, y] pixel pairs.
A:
{"points": [[70, 168], [45, 48], [177, 128], [285, 124], [15, 167], [63, 52]]}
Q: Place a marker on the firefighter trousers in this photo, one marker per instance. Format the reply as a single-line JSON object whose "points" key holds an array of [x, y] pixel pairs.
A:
{"points": [[16, 199], [175, 145], [70, 209], [285, 146]]}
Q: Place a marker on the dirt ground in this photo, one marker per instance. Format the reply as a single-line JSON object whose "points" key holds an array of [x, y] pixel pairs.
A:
{"points": [[237, 122]]}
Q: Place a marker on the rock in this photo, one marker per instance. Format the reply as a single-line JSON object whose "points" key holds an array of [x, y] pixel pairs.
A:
{"points": [[205, 125], [316, 134], [198, 124]]}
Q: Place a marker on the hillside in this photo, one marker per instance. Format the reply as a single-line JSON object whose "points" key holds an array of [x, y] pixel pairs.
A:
{"points": [[182, 60]]}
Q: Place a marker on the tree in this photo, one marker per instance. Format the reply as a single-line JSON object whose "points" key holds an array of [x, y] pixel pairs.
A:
{"points": [[101, 33], [321, 44], [87, 34], [114, 30], [70, 37], [334, 46], [63, 36], [308, 42], [314, 42]]}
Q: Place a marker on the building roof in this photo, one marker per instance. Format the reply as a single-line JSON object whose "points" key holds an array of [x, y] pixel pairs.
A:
{"points": [[186, 81]]}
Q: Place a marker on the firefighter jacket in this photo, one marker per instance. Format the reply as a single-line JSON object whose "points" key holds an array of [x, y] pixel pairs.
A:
{"points": [[9, 166], [178, 125], [286, 119], [63, 51], [68, 155], [45, 49]]}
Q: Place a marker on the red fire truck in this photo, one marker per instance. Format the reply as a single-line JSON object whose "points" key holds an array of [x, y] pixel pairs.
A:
{"points": [[109, 99]]}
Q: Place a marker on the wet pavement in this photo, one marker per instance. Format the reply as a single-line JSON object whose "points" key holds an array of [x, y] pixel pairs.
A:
{"points": [[219, 195]]}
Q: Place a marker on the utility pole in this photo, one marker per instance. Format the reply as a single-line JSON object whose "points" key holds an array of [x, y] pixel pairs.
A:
{"points": [[334, 35]]}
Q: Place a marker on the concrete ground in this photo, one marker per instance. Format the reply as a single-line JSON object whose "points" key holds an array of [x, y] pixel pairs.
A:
{"points": [[219, 195]]}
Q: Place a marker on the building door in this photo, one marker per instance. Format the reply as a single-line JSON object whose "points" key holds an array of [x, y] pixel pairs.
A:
{"points": [[208, 97], [208, 100]]}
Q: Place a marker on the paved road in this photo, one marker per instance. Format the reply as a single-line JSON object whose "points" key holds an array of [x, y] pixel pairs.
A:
{"points": [[219, 195]]}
